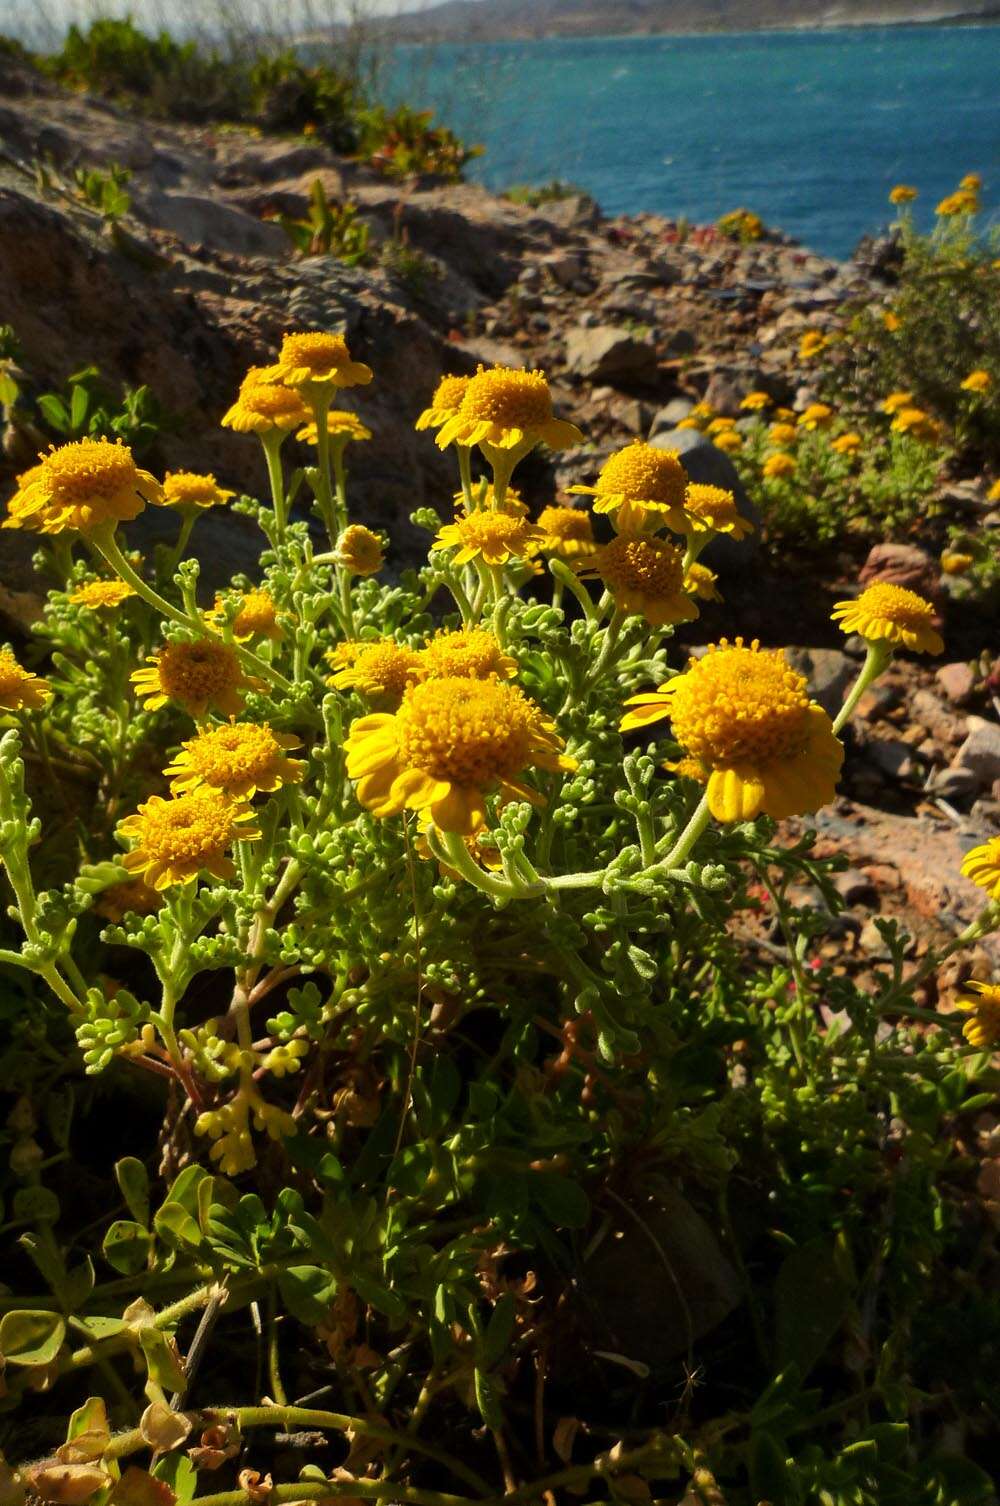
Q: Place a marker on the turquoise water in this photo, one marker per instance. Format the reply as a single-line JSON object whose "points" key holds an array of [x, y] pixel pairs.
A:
{"points": [[809, 129]]}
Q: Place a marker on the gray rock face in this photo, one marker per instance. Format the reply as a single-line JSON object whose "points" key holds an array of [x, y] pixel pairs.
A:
{"points": [[201, 220], [980, 753], [669, 417], [712, 467], [607, 353], [829, 671]]}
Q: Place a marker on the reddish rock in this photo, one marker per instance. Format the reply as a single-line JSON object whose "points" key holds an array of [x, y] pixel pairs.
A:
{"points": [[958, 681], [902, 565]]}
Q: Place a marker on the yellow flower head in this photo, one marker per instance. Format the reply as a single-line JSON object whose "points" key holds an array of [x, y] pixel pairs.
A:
{"points": [[782, 434], [317, 363], [134, 897], [689, 423], [982, 1028], [702, 411], [756, 402], [643, 486], [993, 495], [484, 498], [359, 550], [175, 840], [341, 426], [494, 537], [745, 721], [811, 343], [720, 425], [816, 416], [972, 182], [466, 654], [902, 194], [188, 489], [567, 532], [265, 407], [884, 613], [80, 486], [237, 760], [713, 508], [20, 690], [891, 321], [445, 403], [846, 444], [256, 616], [702, 582], [376, 667], [451, 743], [963, 202], [100, 593], [954, 562], [785, 415], [776, 467], [982, 865], [195, 676], [977, 381], [897, 400], [729, 441], [917, 424], [645, 575], [508, 410]]}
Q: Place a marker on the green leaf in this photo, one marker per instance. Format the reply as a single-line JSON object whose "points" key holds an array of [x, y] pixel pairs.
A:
{"points": [[811, 1299], [54, 412], [175, 1226], [78, 1285], [489, 1390], [126, 1247], [35, 1205], [92, 1417], [498, 1331], [769, 1476], [31, 1338], [79, 403], [177, 1471], [161, 1360], [307, 1291], [564, 1203], [133, 1179]]}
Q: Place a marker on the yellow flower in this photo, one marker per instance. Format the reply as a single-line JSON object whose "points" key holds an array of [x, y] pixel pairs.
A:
{"points": [[375, 666], [782, 434], [729, 440], [891, 321], [451, 743], [484, 499], [195, 676], [745, 721], [643, 486], [755, 402], [237, 760], [884, 613], [689, 423], [977, 381], [953, 204], [341, 426], [81, 485], [954, 562], [265, 407], [508, 410], [982, 1029], [972, 182], [897, 400], [702, 582], [993, 495], [445, 403], [816, 416], [494, 537], [982, 865], [916, 423], [567, 532], [100, 593], [175, 840], [132, 898], [256, 617], [846, 444], [720, 425], [811, 343], [713, 508], [776, 467], [785, 415], [19, 689], [188, 489], [645, 575], [359, 550], [702, 410], [902, 194], [466, 654], [317, 363]]}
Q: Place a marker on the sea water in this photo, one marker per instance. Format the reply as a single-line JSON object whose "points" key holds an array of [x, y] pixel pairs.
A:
{"points": [[810, 129]]}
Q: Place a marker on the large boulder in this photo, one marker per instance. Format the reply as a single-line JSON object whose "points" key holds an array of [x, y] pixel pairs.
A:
{"points": [[607, 353], [710, 466]]}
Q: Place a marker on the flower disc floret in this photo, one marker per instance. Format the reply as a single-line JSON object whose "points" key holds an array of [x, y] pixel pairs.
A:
{"points": [[779, 465], [745, 721], [646, 576], [81, 486], [641, 483], [714, 508], [451, 743], [493, 537], [982, 1028], [190, 489], [377, 667], [195, 676], [445, 403], [238, 760], [468, 654], [982, 865], [19, 689], [508, 409], [175, 840], [567, 532], [95, 594], [311, 361], [885, 613], [816, 416]]}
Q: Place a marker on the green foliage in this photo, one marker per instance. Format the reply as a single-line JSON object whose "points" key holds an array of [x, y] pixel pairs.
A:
{"points": [[328, 229], [107, 192], [402, 142], [87, 408], [287, 95], [536, 194]]}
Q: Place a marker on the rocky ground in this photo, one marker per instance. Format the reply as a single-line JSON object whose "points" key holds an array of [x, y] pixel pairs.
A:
{"points": [[633, 322]]}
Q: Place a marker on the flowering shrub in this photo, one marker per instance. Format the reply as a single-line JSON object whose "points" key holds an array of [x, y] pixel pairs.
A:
{"points": [[405, 926]]}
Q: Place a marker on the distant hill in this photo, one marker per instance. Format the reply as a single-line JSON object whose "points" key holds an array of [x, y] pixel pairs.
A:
{"points": [[486, 20]]}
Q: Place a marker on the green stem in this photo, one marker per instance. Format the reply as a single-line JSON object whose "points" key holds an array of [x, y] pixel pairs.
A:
{"points": [[464, 453], [272, 443], [682, 848], [458, 856], [877, 660]]}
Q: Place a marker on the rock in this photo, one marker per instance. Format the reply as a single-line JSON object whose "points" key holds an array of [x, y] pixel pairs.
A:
{"points": [[853, 886], [564, 267], [578, 212], [958, 681], [980, 753], [953, 784], [712, 467], [892, 757], [925, 708], [876, 702], [724, 394], [901, 565], [670, 416], [199, 220], [829, 671], [607, 353]]}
